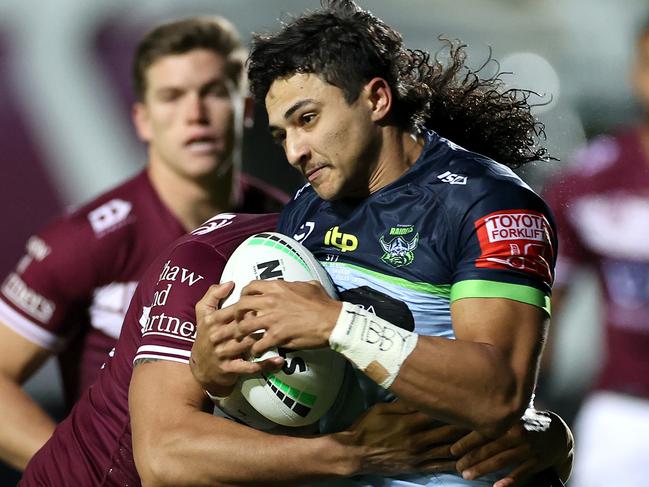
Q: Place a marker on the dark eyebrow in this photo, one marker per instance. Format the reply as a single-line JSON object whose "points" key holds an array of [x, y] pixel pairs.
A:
{"points": [[291, 111], [296, 107]]}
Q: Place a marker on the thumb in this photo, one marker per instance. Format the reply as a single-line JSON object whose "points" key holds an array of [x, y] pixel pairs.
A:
{"points": [[272, 364], [212, 297]]}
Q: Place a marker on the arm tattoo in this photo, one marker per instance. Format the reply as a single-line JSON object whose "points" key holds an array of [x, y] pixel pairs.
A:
{"points": [[144, 361]]}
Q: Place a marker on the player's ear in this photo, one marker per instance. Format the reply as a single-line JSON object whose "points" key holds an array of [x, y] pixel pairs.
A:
{"points": [[379, 97], [141, 121]]}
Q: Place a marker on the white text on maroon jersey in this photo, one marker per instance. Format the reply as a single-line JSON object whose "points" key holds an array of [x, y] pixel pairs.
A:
{"points": [[170, 273], [162, 324], [27, 299]]}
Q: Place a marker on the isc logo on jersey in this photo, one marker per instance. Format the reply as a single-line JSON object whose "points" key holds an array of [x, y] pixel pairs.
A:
{"points": [[304, 390], [518, 239]]}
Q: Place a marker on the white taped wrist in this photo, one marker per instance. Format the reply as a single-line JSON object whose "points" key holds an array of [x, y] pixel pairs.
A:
{"points": [[374, 345]]}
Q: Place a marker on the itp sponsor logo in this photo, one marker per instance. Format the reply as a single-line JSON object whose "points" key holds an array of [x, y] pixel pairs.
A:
{"points": [[344, 241]]}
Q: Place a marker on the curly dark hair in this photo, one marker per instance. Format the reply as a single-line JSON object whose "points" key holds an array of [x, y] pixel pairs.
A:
{"points": [[347, 46]]}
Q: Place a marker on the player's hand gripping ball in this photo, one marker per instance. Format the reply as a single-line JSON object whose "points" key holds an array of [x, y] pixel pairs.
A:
{"points": [[307, 386]]}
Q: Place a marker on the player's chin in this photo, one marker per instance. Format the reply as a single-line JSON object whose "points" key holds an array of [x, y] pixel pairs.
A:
{"points": [[206, 167]]}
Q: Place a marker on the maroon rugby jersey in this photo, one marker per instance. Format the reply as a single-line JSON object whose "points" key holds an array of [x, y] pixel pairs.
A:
{"points": [[70, 291], [602, 210], [92, 446]]}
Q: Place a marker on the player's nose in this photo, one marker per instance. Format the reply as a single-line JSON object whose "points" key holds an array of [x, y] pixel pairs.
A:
{"points": [[297, 150], [195, 109]]}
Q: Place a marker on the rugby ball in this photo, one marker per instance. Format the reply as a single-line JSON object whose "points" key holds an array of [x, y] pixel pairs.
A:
{"points": [[308, 384]]}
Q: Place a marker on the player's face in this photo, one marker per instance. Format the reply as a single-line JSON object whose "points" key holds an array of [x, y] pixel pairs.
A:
{"points": [[187, 115], [334, 144], [641, 72]]}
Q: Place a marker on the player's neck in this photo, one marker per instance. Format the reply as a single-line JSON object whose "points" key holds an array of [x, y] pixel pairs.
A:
{"points": [[400, 150], [191, 201]]}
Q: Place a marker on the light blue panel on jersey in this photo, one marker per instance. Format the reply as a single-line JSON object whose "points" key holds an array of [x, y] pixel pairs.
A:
{"points": [[429, 304]]}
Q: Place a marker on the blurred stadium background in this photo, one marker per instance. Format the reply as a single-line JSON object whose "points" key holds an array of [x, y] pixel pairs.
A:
{"points": [[65, 131]]}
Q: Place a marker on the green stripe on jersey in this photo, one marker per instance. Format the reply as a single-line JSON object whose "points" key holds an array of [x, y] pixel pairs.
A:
{"points": [[492, 289], [442, 290]]}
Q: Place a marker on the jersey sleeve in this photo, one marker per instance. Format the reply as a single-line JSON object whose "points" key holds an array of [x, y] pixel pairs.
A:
{"points": [[56, 274], [507, 247], [168, 321]]}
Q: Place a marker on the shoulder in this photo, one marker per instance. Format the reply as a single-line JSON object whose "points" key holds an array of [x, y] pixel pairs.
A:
{"points": [[225, 231], [108, 213], [206, 249], [100, 223], [305, 197], [466, 181], [304, 201]]}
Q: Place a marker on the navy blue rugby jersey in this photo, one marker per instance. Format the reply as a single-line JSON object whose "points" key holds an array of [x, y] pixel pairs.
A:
{"points": [[456, 225]]}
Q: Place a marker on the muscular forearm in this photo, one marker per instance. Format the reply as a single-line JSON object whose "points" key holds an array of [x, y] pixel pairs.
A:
{"points": [[25, 426], [177, 443], [465, 383], [206, 450]]}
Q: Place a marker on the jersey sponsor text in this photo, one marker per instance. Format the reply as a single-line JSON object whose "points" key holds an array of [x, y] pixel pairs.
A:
{"points": [[27, 299], [518, 240], [166, 325], [170, 273], [516, 226]]}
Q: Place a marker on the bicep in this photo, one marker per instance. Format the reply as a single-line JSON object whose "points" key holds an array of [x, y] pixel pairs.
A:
{"points": [[161, 394], [514, 329]]}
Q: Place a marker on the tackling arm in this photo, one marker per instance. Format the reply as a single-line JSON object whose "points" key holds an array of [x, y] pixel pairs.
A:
{"points": [[176, 443], [24, 426]]}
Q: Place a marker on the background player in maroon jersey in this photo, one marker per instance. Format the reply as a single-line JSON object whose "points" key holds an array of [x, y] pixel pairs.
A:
{"points": [[69, 293], [602, 208]]}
